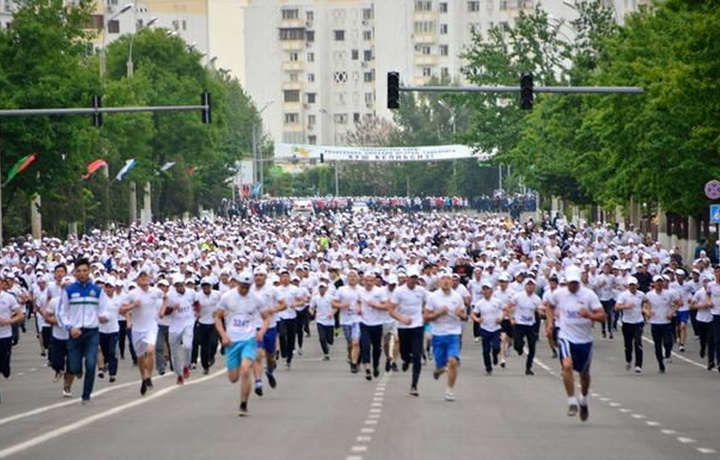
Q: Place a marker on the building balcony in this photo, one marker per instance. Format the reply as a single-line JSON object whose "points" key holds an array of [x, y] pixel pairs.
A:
{"points": [[426, 38], [291, 107], [292, 45], [425, 16], [293, 66], [421, 81], [293, 23], [292, 85], [425, 59]]}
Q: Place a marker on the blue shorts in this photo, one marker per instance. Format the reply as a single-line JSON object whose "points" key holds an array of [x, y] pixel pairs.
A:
{"points": [[683, 316], [269, 341], [351, 331], [580, 353], [445, 347], [238, 351]]}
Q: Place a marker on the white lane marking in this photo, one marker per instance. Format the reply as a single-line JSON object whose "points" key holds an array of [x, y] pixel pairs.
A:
{"points": [[376, 404], [33, 369], [371, 422], [94, 418], [375, 410], [358, 448], [379, 393], [706, 450], [95, 394], [367, 430], [353, 457], [595, 395], [543, 366], [377, 399], [20, 374], [685, 440], [680, 357], [624, 410], [649, 423], [604, 399], [374, 416], [668, 431], [364, 438], [638, 416], [614, 404]]}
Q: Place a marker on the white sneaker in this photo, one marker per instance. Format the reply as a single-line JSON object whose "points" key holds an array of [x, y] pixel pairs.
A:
{"points": [[67, 394], [449, 396], [638, 369]]}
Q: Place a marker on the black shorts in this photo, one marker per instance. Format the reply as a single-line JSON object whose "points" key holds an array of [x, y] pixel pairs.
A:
{"points": [[506, 327]]}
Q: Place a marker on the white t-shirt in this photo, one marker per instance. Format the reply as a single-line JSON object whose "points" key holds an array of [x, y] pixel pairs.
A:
{"points": [[289, 294], [371, 316], [573, 327], [348, 295], [111, 307], [449, 324], [714, 289], [704, 315], [661, 304], [489, 311], [8, 307], [607, 290], [145, 317], [240, 314], [632, 315], [183, 313], [269, 299], [685, 292], [208, 306], [409, 302], [525, 307], [323, 309], [58, 332], [302, 293]]}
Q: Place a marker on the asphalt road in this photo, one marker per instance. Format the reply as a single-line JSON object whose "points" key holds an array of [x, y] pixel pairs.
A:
{"points": [[321, 411]]}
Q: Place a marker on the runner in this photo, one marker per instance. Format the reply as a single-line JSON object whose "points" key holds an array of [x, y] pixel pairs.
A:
{"points": [[11, 312], [267, 347], [321, 306], [372, 307], [630, 304], [406, 306], [521, 309], [659, 308], [207, 299], [181, 306], [702, 303], [109, 330], [445, 309], [240, 308], [390, 335], [346, 300], [575, 308], [487, 312], [286, 327]]}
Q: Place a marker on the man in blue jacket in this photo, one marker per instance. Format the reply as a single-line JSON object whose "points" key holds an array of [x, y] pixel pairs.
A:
{"points": [[80, 315]]}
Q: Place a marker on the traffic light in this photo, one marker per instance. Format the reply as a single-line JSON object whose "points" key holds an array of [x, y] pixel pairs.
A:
{"points": [[393, 90], [97, 116], [207, 111], [322, 158], [526, 91]]}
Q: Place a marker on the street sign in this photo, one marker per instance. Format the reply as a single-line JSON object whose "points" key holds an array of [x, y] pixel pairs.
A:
{"points": [[715, 213], [712, 189]]}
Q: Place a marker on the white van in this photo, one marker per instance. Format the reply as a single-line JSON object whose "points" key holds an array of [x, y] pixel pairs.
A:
{"points": [[302, 208]]}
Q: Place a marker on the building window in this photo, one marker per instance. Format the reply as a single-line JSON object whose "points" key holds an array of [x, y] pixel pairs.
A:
{"points": [[311, 97], [184, 25], [340, 118], [423, 5], [424, 27], [292, 34], [367, 55], [339, 35], [290, 13], [443, 29], [311, 57], [294, 138], [425, 50], [294, 77], [310, 36], [293, 56], [312, 139], [340, 77], [291, 118], [310, 16], [503, 5], [427, 72], [369, 98], [356, 117], [474, 6], [443, 7], [311, 78], [291, 96], [444, 72], [354, 55], [312, 119], [444, 50], [369, 77], [367, 35], [368, 14], [113, 26]]}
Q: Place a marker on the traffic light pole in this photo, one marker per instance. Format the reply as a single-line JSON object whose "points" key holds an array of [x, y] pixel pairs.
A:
{"points": [[516, 89]]}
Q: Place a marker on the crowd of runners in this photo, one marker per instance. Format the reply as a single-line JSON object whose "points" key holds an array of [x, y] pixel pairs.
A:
{"points": [[393, 291]]}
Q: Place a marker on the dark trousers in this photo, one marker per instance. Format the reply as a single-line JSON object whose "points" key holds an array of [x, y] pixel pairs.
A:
{"points": [[327, 337], [196, 343], [520, 333], [411, 349], [125, 333], [133, 355], [707, 341], [208, 342], [371, 339], [632, 336], [716, 335], [84, 348], [161, 347], [476, 330], [108, 345], [490, 345], [46, 334], [610, 321], [15, 333], [300, 321], [662, 335], [5, 353], [58, 354], [286, 331]]}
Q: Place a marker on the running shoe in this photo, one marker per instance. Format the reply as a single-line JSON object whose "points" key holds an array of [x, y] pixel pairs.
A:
{"points": [[449, 396], [186, 372], [271, 379], [368, 375], [243, 411], [572, 410], [258, 388], [584, 412], [67, 394], [414, 392]]}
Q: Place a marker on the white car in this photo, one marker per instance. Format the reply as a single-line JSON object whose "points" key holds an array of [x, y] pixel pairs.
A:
{"points": [[360, 207], [302, 208]]}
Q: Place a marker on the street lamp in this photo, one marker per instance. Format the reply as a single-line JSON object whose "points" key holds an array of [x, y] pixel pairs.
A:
{"points": [[129, 65], [453, 119], [123, 10], [337, 165], [171, 33], [255, 150]]}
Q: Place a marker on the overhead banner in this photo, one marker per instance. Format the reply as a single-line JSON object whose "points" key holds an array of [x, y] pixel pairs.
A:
{"points": [[298, 152]]}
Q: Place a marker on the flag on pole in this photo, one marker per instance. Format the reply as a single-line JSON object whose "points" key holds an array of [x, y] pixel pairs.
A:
{"points": [[256, 190], [167, 166], [129, 165], [93, 167], [19, 167]]}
